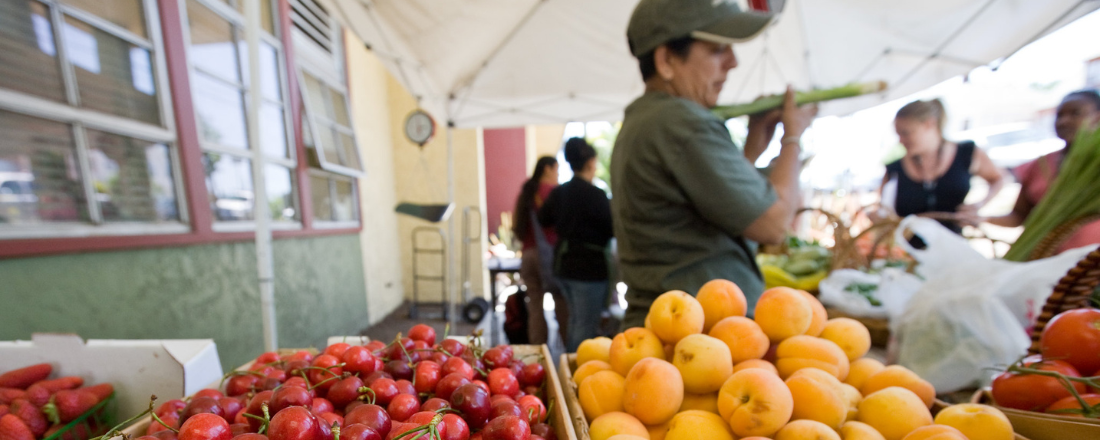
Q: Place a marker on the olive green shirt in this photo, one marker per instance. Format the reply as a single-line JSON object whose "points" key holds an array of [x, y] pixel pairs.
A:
{"points": [[684, 195]]}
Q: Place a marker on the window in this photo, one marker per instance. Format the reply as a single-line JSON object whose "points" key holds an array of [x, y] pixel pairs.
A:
{"points": [[87, 146], [218, 55]]}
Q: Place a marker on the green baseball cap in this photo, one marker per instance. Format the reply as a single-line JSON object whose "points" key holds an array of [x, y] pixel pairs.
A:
{"points": [[656, 22]]}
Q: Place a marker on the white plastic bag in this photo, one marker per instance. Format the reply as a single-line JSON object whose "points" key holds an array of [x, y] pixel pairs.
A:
{"points": [[895, 288], [971, 314]]}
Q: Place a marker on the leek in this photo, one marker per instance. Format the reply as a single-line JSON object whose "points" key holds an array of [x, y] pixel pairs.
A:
{"points": [[775, 101], [1074, 194]]}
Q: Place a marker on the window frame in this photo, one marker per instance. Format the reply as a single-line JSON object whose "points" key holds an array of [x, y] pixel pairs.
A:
{"points": [[237, 24], [80, 119]]}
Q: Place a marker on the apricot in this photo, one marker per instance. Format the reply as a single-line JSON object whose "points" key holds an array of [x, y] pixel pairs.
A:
{"points": [[693, 424], [859, 431], [674, 315], [601, 393], [894, 412], [743, 336], [633, 345], [720, 299], [614, 424], [899, 376], [653, 392], [820, 317], [595, 349], [861, 369], [589, 368], [806, 430], [701, 402], [627, 437], [853, 396], [783, 312], [850, 335], [935, 432], [803, 351], [704, 362], [818, 396], [657, 432], [976, 421], [755, 402], [756, 363]]}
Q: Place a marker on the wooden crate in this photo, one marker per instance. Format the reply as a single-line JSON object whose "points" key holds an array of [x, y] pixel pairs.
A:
{"points": [[1042, 426], [559, 416]]}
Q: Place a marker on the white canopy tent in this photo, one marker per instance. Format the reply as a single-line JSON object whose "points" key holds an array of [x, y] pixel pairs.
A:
{"points": [[498, 63]]}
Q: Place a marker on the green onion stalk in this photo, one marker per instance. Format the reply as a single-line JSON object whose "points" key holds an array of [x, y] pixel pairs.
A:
{"points": [[1074, 194], [775, 101]]}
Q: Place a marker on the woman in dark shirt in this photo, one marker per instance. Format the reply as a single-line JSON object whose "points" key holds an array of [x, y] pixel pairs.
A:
{"points": [[934, 175], [581, 215]]}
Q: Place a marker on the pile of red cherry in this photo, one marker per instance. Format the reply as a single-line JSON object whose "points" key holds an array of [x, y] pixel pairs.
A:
{"points": [[412, 388]]}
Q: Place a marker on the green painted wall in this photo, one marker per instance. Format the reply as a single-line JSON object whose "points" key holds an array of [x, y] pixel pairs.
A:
{"points": [[204, 291]]}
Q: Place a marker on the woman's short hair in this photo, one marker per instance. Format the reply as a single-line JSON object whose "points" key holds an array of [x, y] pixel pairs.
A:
{"points": [[578, 153], [931, 109], [679, 47]]}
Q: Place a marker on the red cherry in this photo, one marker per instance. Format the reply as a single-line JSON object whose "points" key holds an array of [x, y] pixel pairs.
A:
{"points": [[301, 355], [208, 392], [505, 408], [507, 428], [359, 431], [288, 396], [230, 407], [457, 429], [452, 347], [238, 428], [496, 357], [173, 406], [162, 435], [266, 358], [399, 369], [435, 404], [544, 430], [377, 374], [321, 405], [255, 408], [421, 332], [337, 349], [482, 384], [400, 432], [170, 419], [295, 368], [330, 418], [294, 423], [358, 360], [243, 384], [205, 427], [324, 368], [249, 436], [533, 409], [472, 401], [532, 391], [298, 381], [439, 357], [403, 406], [422, 418], [384, 390], [201, 405], [502, 381], [448, 384], [374, 346], [405, 387], [457, 365], [345, 391], [373, 416], [277, 375], [427, 376], [533, 375], [353, 405]]}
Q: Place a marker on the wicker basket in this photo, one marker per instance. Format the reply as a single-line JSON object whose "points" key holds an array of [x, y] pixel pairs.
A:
{"points": [[1050, 244]]}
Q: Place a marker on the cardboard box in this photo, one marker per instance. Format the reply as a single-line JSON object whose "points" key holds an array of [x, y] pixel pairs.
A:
{"points": [[170, 369], [1042, 426]]}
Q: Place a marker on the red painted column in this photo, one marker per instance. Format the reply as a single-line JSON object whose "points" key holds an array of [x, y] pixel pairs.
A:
{"points": [[505, 171]]}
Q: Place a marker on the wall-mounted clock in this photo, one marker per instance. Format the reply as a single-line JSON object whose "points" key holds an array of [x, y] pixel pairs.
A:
{"points": [[419, 127]]}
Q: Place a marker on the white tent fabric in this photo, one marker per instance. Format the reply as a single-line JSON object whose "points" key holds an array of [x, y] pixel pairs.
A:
{"points": [[497, 63]]}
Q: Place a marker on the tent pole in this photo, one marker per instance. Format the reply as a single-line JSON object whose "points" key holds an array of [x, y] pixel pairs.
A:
{"points": [[260, 211], [450, 306]]}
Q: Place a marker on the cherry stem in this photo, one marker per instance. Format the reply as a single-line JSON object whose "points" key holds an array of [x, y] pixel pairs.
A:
{"points": [[157, 417], [323, 382], [118, 428], [231, 374], [362, 394], [335, 431], [446, 331]]}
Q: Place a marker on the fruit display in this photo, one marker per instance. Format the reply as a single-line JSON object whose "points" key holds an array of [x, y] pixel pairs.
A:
{"points": [[701, 369], [412, 388], [1064, 379], [33, 406], [802, 266]]}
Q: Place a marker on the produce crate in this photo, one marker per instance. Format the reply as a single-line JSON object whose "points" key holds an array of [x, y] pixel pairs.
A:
{"points": [[559, 416], [1043, 426], [94, 422]]}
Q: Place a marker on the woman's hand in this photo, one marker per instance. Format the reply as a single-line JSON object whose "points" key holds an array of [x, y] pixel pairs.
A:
{"points": [[968, 215], [796, 119]]}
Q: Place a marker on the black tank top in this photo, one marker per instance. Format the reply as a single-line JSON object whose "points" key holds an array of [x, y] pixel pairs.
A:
{"points": [[941, 195]]}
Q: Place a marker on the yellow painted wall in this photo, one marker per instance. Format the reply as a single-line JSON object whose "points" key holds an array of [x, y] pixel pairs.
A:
{"points": [[379, 241], [543, 140]]}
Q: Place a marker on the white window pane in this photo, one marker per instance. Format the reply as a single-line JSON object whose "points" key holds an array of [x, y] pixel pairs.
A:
{"points": [[128, 14], [340, 108], [112, 75], [349, 152], [269, 72], [39, 174], [326, 135], [229, 186], [267, 20], [220, 110], [280, 193], [345, 205], [212, 45], [132, 178], [322, 198], [28, 52], [273, 130], [315, 92]]}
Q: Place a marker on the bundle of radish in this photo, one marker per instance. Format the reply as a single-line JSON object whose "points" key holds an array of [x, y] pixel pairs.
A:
{"points": [[775, 101], [32, 406], [1074, 195]]}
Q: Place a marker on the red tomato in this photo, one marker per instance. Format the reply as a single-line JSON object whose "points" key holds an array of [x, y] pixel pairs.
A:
{"points": [[1074, 337], [1065, 406], [1031, 392]]}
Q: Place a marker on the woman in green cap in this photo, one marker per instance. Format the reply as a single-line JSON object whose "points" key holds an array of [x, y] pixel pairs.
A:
{"points": [[689, 205]]}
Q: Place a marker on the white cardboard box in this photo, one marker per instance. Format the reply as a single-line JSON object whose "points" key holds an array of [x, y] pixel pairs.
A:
{"points": [[169, 369]]}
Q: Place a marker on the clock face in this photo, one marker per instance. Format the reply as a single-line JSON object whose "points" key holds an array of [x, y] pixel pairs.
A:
{"points": [[419, 127]]}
